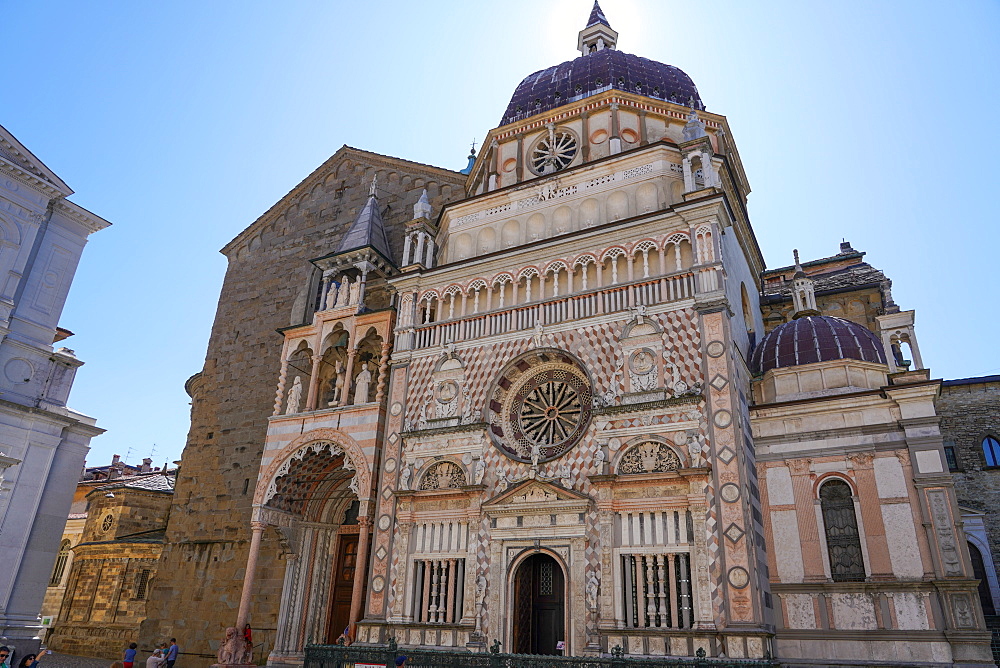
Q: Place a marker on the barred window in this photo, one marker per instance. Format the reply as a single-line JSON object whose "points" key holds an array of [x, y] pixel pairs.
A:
{"points": [[656, 590], [437, 595], [61, 558], [843, 541], [949, 455], [142, 584]]}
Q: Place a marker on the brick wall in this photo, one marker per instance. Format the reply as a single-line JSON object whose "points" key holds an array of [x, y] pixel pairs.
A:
{"points": [[269, 277]]}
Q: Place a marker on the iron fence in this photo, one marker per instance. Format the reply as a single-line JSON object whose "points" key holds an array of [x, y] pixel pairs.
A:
{"points": [[337, 656]]}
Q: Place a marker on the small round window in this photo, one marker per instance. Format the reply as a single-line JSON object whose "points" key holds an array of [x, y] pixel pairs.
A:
{"points": [[553, 151], [107, 523]]}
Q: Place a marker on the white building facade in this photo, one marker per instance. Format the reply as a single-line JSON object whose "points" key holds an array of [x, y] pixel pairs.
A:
{"points": [[42, 236]]}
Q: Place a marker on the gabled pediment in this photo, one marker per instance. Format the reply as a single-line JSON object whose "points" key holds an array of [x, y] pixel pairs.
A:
{"points": [[532, 496], [21, 159]]}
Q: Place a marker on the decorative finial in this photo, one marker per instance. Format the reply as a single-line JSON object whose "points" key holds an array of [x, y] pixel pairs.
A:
{"points": [[795, 252], [472, 151], [371, 192]]}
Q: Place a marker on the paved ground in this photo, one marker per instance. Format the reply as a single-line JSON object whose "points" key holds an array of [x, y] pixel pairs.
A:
{"points": [[56, 660]]}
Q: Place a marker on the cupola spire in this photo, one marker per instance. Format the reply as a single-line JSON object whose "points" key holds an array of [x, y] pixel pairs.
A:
{"points": [[803, 291], [598, 34]]}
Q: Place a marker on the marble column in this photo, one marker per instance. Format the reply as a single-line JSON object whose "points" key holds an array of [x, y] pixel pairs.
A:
{"points": [[248, 575]]}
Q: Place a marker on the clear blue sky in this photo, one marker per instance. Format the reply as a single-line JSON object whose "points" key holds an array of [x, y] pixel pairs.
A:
{"points": [[181, 122]]}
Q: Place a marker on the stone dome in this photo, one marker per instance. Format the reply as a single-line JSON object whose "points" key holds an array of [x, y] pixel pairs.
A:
{"points": [[595, 73], [817, 338]]}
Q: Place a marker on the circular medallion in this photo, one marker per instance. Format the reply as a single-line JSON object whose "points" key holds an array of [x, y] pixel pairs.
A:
{"points": [[642, 361], [716, 349], [107, 523], [18, 371], [553, 151], [446, 392], [738, 577], [378, 583], [723, 419], [730, 493], [541, 402], [396, 409], [390, 465], [383, 522]]}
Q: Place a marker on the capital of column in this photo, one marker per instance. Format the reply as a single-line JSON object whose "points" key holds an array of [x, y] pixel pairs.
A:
{"points": [[258, 526]]}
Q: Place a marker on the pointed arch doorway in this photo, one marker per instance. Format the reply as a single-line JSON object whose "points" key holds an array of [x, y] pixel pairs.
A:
{"points": [[539, 612]]}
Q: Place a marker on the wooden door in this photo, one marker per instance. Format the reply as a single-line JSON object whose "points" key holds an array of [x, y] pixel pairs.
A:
{"points": [[539, 606], [343, 586]]}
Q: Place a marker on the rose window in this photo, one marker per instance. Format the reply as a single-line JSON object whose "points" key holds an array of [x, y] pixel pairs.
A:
{"points": [[553, 151], [540, 402], [107, 523]]}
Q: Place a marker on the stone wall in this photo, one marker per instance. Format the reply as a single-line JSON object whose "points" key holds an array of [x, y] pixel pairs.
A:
{"points": [[269, 284], [970, 411]]}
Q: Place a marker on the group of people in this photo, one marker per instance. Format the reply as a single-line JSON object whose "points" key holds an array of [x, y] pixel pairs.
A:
{"points": [[163, 656], [29, 660]]}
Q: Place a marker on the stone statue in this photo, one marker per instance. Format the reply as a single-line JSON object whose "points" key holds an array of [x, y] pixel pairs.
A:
{"points": [[593, 585], [599, 459], [294, 396], [565, 475], [480, 471], [536, 454], [355, 292], [539, 334], [338, 383], [361, 384], [404, 478], [344, 295], [233, 650], [694, 449], [502, 481], [331, 295], [481, 583]]}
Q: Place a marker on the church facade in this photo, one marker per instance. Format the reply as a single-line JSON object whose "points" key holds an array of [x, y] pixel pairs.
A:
{"points": [[563, 407]]}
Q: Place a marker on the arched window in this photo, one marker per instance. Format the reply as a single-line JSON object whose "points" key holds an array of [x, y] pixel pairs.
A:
{"points": [[991, 450], [61, 558], [843, 542], [979, 572]]}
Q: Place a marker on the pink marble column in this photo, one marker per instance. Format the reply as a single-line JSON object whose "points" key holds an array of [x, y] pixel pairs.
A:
{"points": [[248, 576]]}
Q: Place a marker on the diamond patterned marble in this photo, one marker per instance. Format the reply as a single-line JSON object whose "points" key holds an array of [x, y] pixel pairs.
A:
{"points": [[734, 533]]}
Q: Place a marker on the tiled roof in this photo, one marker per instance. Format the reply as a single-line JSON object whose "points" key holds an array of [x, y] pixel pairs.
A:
{"points": [[597, 16], [156, 482], [367, 230], [848, 277], [595, 73], [817, 338]]}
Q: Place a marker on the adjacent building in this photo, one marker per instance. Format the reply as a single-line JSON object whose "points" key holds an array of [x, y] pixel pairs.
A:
{"points": [[42, 236]]}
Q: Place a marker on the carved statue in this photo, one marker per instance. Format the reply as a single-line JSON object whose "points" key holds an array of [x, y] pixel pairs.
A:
{"points": [[502, 481], [361, 384], [537, 337], [233, 650], [404, 478], [565, 475], [294, 396], [355, 293], [694, 449], [480, 471], [599, 460], [344, 295], [593, 585], [338, 383], [331, 295], [536, 454], [481, 583]]}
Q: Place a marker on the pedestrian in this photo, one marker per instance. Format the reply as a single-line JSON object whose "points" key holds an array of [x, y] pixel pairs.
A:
{"points": [[157, 657], [172, 653], [401, 660], [129, 658], [4, 657], [30, 660], [116, 664]]}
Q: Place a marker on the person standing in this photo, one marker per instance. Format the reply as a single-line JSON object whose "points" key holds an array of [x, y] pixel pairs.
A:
{"points": [[128, 660], [172, 653]]}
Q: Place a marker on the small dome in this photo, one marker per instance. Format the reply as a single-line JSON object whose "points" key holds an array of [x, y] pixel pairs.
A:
{"points": [[595, 73], [817, 338]]}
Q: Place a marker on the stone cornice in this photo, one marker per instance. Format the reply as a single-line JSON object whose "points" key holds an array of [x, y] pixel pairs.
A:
{"points": [[78, 214]]}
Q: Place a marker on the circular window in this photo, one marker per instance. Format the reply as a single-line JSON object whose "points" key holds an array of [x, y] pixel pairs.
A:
{"points": [[553, 151], [541, 403], [107, 523]]}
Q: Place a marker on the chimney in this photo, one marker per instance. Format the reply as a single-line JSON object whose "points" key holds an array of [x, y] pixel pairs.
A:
{"points": [[147, 465], [115, 460]]}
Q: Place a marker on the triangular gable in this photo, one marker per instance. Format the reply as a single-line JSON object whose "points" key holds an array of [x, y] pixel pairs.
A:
{"points": [[535, 492], [15, 153]]}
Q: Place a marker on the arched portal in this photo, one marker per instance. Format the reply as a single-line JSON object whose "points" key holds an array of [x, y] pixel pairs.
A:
{"points": [[539, 606]]}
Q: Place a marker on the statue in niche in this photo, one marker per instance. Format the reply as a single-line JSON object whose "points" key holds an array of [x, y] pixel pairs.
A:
{"points": [[355, 292], [361, 384], [294, 396], [694, 448], [480, 471], [338, 383], [331, 294], [344, 294], [404, 478], [593, 586], [599, 460]]}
